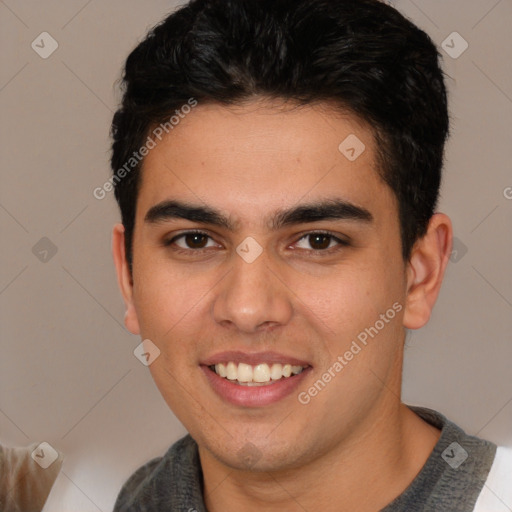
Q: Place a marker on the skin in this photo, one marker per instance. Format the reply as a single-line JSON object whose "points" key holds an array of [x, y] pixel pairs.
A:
{"points": [[248, 162]]}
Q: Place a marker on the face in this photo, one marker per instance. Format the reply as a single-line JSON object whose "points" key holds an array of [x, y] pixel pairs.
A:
{"points": [[264, 253]]}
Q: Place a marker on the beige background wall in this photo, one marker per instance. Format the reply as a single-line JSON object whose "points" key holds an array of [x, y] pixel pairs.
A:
{"points": [[67, 372]]}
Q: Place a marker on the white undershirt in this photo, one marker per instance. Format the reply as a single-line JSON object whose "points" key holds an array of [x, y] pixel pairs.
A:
{"points": [[496, 494]]}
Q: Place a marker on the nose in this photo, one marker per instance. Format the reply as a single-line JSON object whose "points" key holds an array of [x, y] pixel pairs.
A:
{"points": [[252, 298]]}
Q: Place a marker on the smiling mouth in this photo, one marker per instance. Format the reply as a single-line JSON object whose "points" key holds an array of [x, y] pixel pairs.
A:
{"points": [[255, 375]]}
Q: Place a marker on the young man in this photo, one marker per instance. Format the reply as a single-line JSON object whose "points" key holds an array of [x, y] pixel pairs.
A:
{"points": [[277, 166]]}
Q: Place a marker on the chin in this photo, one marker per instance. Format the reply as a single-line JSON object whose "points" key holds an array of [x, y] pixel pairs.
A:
{"points": [[256, 454]]}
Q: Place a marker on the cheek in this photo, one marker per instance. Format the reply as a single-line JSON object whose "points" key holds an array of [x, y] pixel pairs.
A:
{"points": [[169, 310], [349, 299], [165, 297]]}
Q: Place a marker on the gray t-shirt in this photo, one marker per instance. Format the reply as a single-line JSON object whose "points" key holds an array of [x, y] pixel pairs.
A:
{"points": [[451, 479]]}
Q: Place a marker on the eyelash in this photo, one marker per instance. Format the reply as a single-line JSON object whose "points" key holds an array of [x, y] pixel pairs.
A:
{"points": [[317, 252]]}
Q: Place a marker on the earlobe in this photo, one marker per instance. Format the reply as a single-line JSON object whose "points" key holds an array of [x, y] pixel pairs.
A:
{"points": [[124, 279], [425, 271]]}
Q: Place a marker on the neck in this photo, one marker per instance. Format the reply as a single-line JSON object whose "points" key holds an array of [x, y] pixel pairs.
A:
{"points": [[385, 456]]}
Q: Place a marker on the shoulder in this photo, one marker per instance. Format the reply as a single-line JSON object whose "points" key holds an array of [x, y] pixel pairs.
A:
{"points": [[133, 490], [156, 483], [455, 473]]}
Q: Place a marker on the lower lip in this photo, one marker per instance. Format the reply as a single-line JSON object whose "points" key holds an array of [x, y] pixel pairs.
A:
{"points": [[254, 396]]}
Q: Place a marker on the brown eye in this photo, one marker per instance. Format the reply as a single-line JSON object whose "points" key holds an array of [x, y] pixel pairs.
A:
{"points": [[196, 240], [319, 241], [192, 240]]}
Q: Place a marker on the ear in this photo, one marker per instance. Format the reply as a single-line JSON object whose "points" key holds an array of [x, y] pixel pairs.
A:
{"points": [[425, 270], [124, 279]]}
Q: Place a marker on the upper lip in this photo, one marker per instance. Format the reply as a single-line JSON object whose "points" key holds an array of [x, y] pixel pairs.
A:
{"points": [[253, 358]]}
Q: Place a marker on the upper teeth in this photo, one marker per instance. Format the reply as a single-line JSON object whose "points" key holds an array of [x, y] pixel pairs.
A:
{"points": [[259, 373]]}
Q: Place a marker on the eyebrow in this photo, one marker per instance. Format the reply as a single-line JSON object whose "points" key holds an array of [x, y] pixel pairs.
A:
{"points": [[327, 209]]}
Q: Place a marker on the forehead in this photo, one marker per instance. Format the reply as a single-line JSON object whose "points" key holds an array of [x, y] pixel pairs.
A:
{"points": [[251, 159]]}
